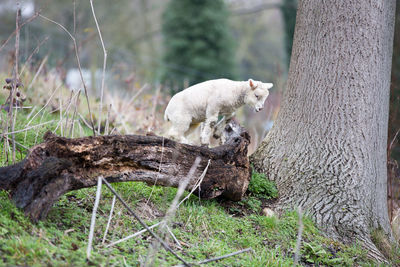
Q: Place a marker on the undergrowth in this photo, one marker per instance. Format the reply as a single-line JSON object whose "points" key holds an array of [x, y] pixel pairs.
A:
{"points": [[204, 228]]}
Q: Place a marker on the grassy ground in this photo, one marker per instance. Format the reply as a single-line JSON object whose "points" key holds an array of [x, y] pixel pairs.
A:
{"points": [[206, 229]]}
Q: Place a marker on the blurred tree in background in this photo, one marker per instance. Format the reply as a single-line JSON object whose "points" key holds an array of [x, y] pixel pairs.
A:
{"points": [[197, 41], [289, 9]]}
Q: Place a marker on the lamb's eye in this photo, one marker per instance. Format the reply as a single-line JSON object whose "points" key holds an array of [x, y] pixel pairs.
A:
{"points": [[257, 96]]}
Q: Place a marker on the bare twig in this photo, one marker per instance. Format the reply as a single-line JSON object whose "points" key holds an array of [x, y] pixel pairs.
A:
{"points": [[61, 116], [104, 66], [153, 112], [28, 128], [37, 72], [109, 220], [13, 92], [70, 100], [165, 245], [21, 145], [38, 130], [74, 14], [198, 183], [106, 129], [45, 105], [93, 220], [144, 87], [31, 55], [226, 256], [133, 235], [75, 111], [221, 257], [393, 140], [79, 67], [182, 186], [171, 211], [19, 28], [84, 121], [174, 237]]}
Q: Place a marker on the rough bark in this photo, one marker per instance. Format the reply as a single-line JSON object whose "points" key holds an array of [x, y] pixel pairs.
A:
{"points": [[327, 149], [60, 165]]}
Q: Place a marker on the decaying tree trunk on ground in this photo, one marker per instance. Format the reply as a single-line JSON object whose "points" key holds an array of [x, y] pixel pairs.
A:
{"points": [[60, 165]]}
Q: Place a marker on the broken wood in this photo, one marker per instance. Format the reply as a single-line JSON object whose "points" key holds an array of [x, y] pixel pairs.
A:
{"points": [[60, 165]]}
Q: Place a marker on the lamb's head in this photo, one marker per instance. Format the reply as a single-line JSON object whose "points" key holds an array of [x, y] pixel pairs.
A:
{"points": [[256, 94]]}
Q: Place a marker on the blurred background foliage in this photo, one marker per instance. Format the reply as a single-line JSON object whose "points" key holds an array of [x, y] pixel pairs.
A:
{"points": [[198, 42], [165, 45], [175, 42], [147, 39]]}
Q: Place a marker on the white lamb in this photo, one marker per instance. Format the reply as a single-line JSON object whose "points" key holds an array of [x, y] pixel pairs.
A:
{"points": [[205, 101]]}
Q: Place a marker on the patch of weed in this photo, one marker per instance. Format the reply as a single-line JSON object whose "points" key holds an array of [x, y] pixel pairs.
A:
{"points": [[260, 186]]}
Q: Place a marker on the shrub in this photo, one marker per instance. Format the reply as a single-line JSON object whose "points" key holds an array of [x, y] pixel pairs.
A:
{"points": [[262, 187]]}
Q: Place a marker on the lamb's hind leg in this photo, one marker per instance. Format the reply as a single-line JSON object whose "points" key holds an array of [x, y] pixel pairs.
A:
{"points": [[178, 130], [191, 129]]}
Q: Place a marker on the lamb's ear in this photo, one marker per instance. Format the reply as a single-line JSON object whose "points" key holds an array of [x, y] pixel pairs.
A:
{"points": [[252, 84], [268, 85]]}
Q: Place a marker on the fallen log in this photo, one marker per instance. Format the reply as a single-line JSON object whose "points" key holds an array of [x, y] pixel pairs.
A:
{"points": [[59, 165]]}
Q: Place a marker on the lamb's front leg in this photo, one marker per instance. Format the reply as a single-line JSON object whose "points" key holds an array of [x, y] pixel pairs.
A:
{"points": [[209, 124]]}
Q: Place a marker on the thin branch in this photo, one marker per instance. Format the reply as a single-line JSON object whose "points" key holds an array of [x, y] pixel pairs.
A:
{"points": [[26, 129], [198, 183], [145, 86], [172, 210], [21, 145], [109, 220], [31, 55], [93, 220], [104, 66], [12, 114], [165, 245], [38, 72], [45, 105], [226, 256], [221, 257], [153, 112], [74, 15], [174, 237], [17, 29], [106, 129], [393, 140], [79, 67], [84, 121], [182, 186], [132, 235]]}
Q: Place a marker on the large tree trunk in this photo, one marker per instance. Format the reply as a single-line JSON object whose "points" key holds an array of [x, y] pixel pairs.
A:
{"points": [[327, 149], [60, 165]]}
